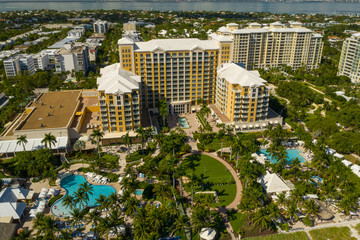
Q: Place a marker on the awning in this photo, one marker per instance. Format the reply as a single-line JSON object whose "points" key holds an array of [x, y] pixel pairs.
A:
{"points": [[244, 126], [257, 125], [250, 126], [11, 146]]}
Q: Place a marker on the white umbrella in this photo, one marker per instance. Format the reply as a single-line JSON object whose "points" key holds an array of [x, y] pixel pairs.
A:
{"points": [[42, 195], [51, 191], [44, 189]]}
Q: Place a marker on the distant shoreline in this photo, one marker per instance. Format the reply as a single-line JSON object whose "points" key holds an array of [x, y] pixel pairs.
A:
{"points": [[184, 1]]}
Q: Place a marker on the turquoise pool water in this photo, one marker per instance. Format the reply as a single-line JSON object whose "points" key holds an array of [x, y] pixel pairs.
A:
{"points": [[139, 191], [71, 185], [291, 154], [183, 123]]}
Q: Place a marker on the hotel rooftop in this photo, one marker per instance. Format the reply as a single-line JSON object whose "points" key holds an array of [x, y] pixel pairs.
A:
{"points": [[185, 44], [235, 74]]}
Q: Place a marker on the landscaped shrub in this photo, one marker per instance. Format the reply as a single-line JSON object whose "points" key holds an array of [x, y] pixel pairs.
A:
{"points": [[284, 226], [54, 199], [307, 221]]}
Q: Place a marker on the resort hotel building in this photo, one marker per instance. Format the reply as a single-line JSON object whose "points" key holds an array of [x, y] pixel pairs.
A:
{"points": [[180, 71], [177, 70], [263, 46], [349, 64], [119, 99]]}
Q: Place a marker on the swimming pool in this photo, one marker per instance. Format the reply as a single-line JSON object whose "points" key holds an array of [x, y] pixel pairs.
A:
{"points": [[291, 154], [71, 185], [139, 192], [183, 123]]}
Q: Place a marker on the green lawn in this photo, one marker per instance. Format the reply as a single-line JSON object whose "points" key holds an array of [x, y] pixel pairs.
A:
{"points": [[236, 219], [351, 158], [292, 236], [211, 176], [333, 233], [216, 144]]}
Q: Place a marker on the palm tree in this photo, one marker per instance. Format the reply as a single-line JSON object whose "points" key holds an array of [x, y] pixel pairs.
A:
{"points": [[49, 140], [163, 109], [142, 134], [79, 145], [126, 139], [45, 226], [22, 140], [311, 209], [281, 199], [291, 211], [162, 190], [69, 202], [261, 218], [75, 216], [181, 223], [82, 194], [131, 206], [94, 218], [200, 218], [221, 135], [156, 217], [96, 136]]}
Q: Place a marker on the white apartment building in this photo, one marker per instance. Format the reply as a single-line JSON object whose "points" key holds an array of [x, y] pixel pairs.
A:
{"points": [[41, 61], [18, 64], [349, 64], [100, 26], [72, 57], [263, 46]]}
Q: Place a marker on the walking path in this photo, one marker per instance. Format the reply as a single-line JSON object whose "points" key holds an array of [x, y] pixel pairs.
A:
{"points": [[239, 189], [235, 202]]}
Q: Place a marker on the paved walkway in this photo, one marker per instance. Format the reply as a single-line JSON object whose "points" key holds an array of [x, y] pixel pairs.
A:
{"points": [[239, 189]]}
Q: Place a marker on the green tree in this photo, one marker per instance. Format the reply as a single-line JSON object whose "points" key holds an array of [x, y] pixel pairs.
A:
{"points": [[49, 140], [163, 110], [142, 134], [45, 227], [96, 136], [22, 140], [126, 139]]}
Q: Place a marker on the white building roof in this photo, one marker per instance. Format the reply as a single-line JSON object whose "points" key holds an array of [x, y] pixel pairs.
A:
{"points": [[272, 183], [183, 44], [12, 209], [207, 234], [235, 74], [11, 146], [221, 38], [114, 80], [346, 163]]}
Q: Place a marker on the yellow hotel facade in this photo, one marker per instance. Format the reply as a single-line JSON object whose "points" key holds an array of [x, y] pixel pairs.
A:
{"points": [[241, 95], [177, 70], [180, 71]]}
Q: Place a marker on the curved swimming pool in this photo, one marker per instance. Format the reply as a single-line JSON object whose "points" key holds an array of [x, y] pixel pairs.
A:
{"points": [[71, 185], [290, 153]]}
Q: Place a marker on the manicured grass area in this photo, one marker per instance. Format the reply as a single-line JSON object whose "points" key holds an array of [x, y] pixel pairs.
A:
{"points": [[216, 144], [351, 158], [211, 175], [292, 236], [333, 233], [236, 219], [54, 199], [138, 155]]}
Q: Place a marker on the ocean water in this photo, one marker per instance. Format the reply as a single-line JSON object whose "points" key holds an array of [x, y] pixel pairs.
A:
{"points": [[275, 7]]}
